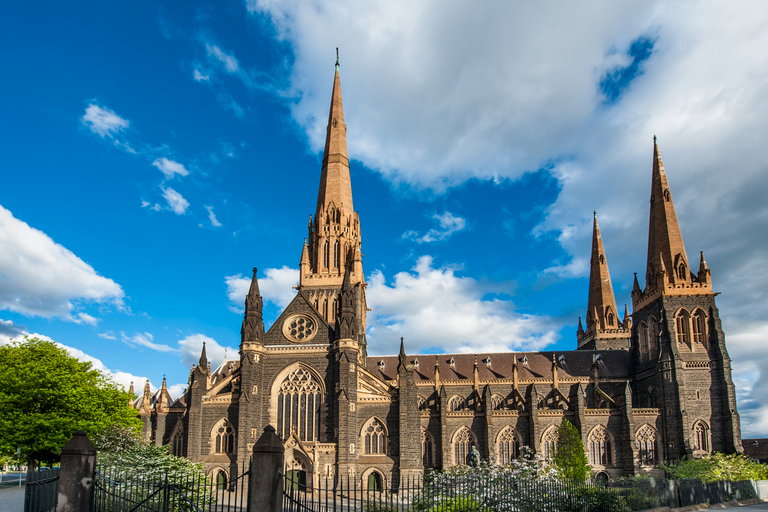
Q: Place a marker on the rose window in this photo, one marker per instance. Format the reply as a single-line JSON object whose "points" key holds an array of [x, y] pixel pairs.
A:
{"points": [[299, 328]]}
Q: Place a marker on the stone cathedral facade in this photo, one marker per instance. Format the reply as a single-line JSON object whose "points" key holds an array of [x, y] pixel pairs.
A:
{"points": [[655, 385]]}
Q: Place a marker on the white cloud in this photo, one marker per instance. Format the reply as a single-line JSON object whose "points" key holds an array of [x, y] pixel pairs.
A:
{"points": [[749, 354], [8, 330], [176, 201], [109, 335], [192, 346], [449, 224], [275, 285], [575, 268], [229, 61], [212, 217], [200, 77], [144, 203], [43, 278], [437, 310], [102, 121], [145, 340], [170, 168]]}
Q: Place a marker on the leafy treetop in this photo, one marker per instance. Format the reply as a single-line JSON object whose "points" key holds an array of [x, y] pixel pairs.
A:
{"points": [[46, 395], [570, 459]]}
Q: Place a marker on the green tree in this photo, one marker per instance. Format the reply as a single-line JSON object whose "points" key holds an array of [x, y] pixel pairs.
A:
{"points": [[570, 459], [46, 395]]}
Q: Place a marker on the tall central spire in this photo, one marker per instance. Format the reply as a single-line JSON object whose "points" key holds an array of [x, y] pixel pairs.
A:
{"points": [[335, 182], [331, 256], [601, 307]]}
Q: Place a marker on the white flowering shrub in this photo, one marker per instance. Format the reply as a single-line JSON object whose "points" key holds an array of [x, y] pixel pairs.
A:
{"points": [[528, 483]]}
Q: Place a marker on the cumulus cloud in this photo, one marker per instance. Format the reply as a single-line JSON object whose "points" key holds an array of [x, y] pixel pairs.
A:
{"points": [[176, 201], [432, 304], [191, 347], [228, 61], [448, 225], [8, 330], [170, 168], [43, 278], [212, 217], [102, 121], [145, 340], [199, 76], [275, 285]]}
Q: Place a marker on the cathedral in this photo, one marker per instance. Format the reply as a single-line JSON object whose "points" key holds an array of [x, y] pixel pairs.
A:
{"points": [[653, 386]]}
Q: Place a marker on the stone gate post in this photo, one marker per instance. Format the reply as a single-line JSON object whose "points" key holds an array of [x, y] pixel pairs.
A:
{"points": [[78, 462], [266, 485]]}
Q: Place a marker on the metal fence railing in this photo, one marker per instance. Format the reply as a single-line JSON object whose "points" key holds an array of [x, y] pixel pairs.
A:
{"points": [[488, 492], [116, 489], [42, 490]]}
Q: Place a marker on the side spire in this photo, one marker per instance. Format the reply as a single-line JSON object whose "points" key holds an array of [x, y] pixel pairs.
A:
{"points": [[603, 327], [202, 363], [252, 330], [664, 236]]}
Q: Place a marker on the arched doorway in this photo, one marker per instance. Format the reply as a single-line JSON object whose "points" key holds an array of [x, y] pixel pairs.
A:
{"points": [[298, 470], [374, 481], [221, 480]]}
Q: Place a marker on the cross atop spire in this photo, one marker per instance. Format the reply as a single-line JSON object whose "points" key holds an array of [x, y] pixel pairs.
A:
{"points": [[337, 57]]}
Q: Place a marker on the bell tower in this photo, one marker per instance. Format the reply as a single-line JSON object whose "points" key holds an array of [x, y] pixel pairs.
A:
{"points": [[678, 346]]}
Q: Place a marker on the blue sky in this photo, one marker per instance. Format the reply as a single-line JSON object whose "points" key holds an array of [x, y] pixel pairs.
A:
{"points": [[154, 152]]}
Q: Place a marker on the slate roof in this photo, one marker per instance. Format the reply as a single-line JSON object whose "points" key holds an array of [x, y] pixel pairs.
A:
{"points": [[530, 365]]}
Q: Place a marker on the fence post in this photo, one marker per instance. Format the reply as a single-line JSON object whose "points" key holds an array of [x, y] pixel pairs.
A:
{"points": [[265, 486], [78, 462]]}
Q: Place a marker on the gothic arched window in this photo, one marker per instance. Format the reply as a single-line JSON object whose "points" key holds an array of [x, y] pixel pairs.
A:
{"points": [[422, 403], [681, 322], [497, 402], [600, 447], [508, 446], [456, 404], [642, 338], [610, 318], [299, 397], [653, 335], [463, 442], [645, 440], [177, 444], [549, 443], [326, 255], [336, 254], [325, 309], [699, 327], [681, 271], [375, 437], [427, 449], [701, 436], [223, 437], [221, 480], [334, 310]]}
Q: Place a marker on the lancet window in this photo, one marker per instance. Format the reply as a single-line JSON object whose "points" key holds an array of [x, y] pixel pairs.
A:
{"points": [[427, 449], [645, 441], [508, 446], [600, 447], [497, 402], [701, 436], [463, 442], [375, 437], [177, 444], [549, 443], [299, 397], [457, 404], [326, 254], [699, 327], [336, 254], [642, 338], [683, 334], [653, 335], [223, 437]]}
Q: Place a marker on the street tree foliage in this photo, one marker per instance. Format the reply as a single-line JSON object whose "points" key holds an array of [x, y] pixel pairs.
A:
{"points": [[46, 395], [570, 459], [717, 466]]}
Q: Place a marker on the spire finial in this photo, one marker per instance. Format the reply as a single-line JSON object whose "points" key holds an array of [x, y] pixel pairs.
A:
{"points": [[337, 56], [594, 213], [654, 135]]}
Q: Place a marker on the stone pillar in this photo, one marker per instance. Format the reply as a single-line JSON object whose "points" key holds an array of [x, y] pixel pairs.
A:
{"points": [[78, 462], [266, 484]]}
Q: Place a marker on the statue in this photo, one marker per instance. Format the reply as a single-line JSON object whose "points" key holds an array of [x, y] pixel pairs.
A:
{"points": [[473, 459]]}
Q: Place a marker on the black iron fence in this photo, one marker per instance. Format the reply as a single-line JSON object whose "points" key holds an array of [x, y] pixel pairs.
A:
{"points": [[42, 490], [119, 489], [501, 493]]}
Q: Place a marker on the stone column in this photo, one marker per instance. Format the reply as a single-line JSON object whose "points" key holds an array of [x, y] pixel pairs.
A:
{"points": [[266, 484], [78, 462]]}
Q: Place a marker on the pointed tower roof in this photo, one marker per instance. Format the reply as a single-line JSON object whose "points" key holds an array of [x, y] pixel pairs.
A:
{"points": [[335, 182], [601, 296], [664, 236], [203, 362]]}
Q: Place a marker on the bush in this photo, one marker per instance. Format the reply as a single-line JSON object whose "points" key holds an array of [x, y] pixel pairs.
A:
{"points": [[717, 466], [457, 504]]}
